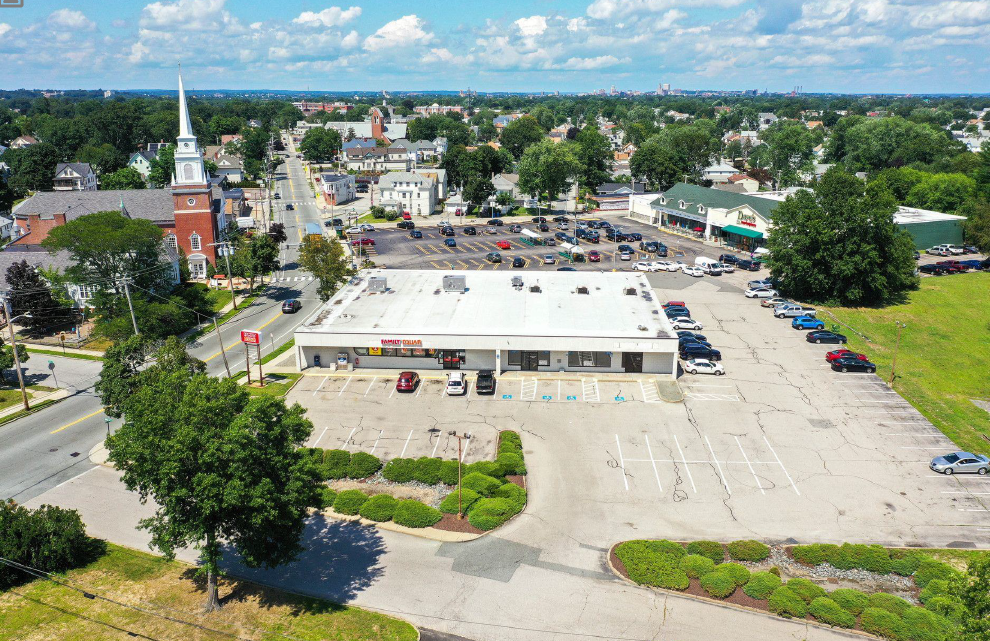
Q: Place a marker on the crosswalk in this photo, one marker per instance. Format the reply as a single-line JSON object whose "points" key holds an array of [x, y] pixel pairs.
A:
{"points": [[293, 279]]}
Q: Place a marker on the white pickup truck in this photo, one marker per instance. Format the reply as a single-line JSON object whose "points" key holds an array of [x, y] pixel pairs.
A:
{"points": [[790, 310]]}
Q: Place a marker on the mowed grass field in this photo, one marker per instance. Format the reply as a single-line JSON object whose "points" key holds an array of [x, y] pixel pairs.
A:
{"points": [[944, 357], [43, 610]]}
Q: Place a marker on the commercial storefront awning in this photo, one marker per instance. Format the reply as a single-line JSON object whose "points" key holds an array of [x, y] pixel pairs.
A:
{"points": [[742, 231]]}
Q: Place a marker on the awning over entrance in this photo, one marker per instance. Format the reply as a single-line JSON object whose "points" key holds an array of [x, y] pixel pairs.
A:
{"points": [[742, 231]]}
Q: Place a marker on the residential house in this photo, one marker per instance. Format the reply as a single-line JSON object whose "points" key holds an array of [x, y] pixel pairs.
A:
{"points": [[255, 123], [615, 196], [747, 183], [157, 146], [359, 142], [338, 188], [309, 108], [6, 227], [229, 138], [140, 161], [376, 126], [676, 115], [766, 119], [439, 176], [440, 146], [235, 203], [377, 159], [406, 191], [74, 176], [813, 124], [229, 167], [23, 141], [719, 172]]}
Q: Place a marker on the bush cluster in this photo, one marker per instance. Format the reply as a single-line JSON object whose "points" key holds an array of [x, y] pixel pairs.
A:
{"points": [[739, 573], [696, 566], [852, 601], [49, 538], [363, 465], [655, 563], [411, 513], [761, 585], [510, 464], [748, 550], [327, 497], [905, 562], [380, 507], [719, 584], [930, 569], [786, 602], [805, 589], [509, 443], [512, 493], [873, 558], [711, 549], [335, 464], [828, 611], [489, 513], [889, 602], [449, 503], [882, 623], [349, 502]]}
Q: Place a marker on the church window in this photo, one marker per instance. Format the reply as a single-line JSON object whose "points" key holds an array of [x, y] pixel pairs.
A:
{"points": [[171, 241], [195, 242]]}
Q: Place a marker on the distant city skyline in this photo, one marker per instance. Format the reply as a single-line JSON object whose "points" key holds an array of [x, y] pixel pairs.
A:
{"points": [[571, 46]]}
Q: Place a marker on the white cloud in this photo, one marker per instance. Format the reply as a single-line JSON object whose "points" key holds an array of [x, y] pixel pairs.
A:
{"points": [[138, 53], [957, 13], [442, 55], [70, 19], [531, 26], [329, 17], [813, 60], [189, 15], [4, 28], [607, 9], [577, 24], [351, 40], [583, 64], [405, 31]]}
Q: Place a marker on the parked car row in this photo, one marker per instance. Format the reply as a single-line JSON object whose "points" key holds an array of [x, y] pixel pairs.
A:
{"points": [[696, 353], [457, 384], [947, 267]]}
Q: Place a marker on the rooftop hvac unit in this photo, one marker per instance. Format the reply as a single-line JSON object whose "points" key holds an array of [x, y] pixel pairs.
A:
{"points": [[517, 282], [377, 284], [630, 291], [454, 283], [535, 289], [582, 290]]}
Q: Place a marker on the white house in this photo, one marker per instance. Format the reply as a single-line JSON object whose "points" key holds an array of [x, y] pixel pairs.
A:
{"points": [[140, 161], [719, 172], [230, 167], [407, 191], [378, 159], [338, 188], [22, 141], [439, 176], [74, 176], [766, 120]]}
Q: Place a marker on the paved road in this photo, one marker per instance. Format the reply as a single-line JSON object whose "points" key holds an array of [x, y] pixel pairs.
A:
{"points": [[42, 450]]}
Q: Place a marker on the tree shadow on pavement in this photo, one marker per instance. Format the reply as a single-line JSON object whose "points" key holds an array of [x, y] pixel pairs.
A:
{"points": [[339, 561]]}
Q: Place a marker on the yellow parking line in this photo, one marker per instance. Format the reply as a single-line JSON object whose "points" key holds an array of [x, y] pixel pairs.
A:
{"points": [[422, 249], [462, 264], [435, 266], [449, 249], [77, 421], [450, 265]]}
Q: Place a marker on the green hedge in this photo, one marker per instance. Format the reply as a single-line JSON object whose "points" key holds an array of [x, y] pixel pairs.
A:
{"points": [[449, 503], [761, 585], [748, 550], [805, 589], [814, 554], [489, 513], [349, 502], [510, 463], [930, 569], [448, 472], [379, 508], [481, 483], [718, 584], [363, 465], [889, 602], [487, 468], [427, 470], [711, 549], [335, 463], [649, 563], [828, 611], [327, 497], [874, 558], [513, 493], [935, 587], [951, 607], [786, 602], [906, 562], [412, 513], [696, 566], [49, 538], [399, 470], [852, 601], [739, 573], [882, 623], [923, 625]]}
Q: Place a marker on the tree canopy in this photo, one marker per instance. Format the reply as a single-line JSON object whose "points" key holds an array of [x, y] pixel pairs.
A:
{"points": [[548, 168], [31, 296], [321, 145], [519, 134], [126, 178], [324, 259]]}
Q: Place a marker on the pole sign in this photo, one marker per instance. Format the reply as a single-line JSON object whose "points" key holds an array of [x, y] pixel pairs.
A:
{"points": [[251, 337]]}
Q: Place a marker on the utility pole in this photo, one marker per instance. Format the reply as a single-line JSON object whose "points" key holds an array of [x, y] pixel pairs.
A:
{"points": [[13, 346], [222, 350], [897, 347], [460, 438], [225, 247], [127, 292]]}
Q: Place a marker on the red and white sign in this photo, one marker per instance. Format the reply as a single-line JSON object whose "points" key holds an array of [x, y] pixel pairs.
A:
{"points": [[251, 336]]}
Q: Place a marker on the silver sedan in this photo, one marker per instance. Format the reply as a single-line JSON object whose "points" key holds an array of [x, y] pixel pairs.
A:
{"points": [[959, 462]]}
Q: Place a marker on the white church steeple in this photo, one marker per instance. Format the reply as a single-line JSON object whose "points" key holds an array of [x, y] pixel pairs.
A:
{"points": [[189, 169]]}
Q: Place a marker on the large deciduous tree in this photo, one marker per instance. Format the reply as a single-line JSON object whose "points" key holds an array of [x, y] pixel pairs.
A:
{"points": [[595, 153], [655, 163], [321, 145], [873, 145], [32, 168], [162, 166], [942, 192], [973, 589], [519, 134], [548, 168], [839, 244], [31, 297], [126, 178], [254, 257], [977, 224], [324, 259], [790, 149]]}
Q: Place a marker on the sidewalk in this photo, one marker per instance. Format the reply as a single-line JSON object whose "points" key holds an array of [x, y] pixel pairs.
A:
{"points": [[58, 348]]}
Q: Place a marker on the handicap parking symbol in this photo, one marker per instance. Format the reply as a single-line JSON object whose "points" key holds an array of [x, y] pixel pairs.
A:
{"points": [[506, 396], [620, 398], [571, 398], [547, 398]]}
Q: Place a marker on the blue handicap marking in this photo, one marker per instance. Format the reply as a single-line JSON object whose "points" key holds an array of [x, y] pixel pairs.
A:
{"points": [[547, 398], [620, 398], [571, 398], [506, 395]]}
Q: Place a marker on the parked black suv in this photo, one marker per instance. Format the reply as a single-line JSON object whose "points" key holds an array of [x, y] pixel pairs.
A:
{"points": [[495, 222], [470, 231], [485, 383], [687, 351], [406, 224], [649, 246], [447, 231], [615, 235], [731, 259], [747, 265]]}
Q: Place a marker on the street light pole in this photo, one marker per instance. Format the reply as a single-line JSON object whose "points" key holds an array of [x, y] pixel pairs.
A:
{"points": [[13, 346], [460, 438], [897, 347]]}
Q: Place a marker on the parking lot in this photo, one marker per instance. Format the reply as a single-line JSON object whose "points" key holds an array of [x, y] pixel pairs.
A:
{"points": [[780, 447]]}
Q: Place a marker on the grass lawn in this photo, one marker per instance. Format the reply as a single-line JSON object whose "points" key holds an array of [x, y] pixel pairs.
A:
{"points": [[45, 610], [9, 397], [58, 352], [944, 352], [275, 384], [219, 298], [283, 348]]}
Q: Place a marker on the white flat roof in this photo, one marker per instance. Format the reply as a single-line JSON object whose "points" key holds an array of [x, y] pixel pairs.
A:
{"points": [[415, 303], [911, 215]]}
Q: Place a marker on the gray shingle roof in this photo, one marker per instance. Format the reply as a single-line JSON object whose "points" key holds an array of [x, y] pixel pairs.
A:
{"points": [[155, 205], [35, 255], [81, 168]]}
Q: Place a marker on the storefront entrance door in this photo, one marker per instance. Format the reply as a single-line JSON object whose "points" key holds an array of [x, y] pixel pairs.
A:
{"points": [[632, 361], [452, 358], [530, 361]]}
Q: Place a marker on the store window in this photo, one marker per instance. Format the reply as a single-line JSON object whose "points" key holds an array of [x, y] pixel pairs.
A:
{"points": [[417, 352], [589, 359]]}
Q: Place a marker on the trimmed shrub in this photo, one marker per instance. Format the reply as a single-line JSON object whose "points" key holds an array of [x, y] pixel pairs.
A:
{"points": [[739, 573], [363, 465], [671, 549], [774, 570], [747, 550], [711, 549], [882, 623], [814, 554], [852, 601], [327, 497], [828, 611], [718, 584], [349, 502], [448, 472], [488, 514], [948, 606], [761, 585], [696, 566], [488, 468], [510, 463], [49, 538], [889, 602], [875, 558], [379, 508], [923, 625], [930, 569], [411, 513], [805, 589], [449, 502], [935, 587], [335, 464], [647, 563], [907, 562], [509, 442], [427, 470], [785, 602], [480, 483], [513, 493], [399, 470], [847, 556]]}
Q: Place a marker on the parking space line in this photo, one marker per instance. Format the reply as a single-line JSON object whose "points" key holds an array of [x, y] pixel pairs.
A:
{"points": [[684, 460], [973, 493], [322, 434], [652, 396], [751, 470], [464, 453], [321, 385], [703, 385], [652, 461], [774, 452], [921, 448], [422, 384], [380, 432], [622, 465], [406, 445], [392, 392], [435, 446], [718, 466], [370, 385], [346, 383], [347, 443]]}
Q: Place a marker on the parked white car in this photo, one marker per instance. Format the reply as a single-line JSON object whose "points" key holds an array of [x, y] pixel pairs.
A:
{"points": [[665, 266], [354, 230], [455, 384], [683, 322], [692, 271], [760, 292], [625, 256], [702, 366], [646, 267], [367, 227], [727, 268], [676, 265]]}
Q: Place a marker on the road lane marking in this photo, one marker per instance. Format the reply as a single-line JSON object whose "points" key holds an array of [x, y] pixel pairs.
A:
{"points": [[270, 321], [77, 421], [77, 476]]}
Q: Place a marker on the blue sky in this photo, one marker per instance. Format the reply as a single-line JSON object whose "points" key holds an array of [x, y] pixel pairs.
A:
{"points": [[511, 45]]}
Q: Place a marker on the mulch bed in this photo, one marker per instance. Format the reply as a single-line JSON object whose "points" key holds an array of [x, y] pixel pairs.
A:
{"points": [[451, 523], [736, 598], [517, 479]]}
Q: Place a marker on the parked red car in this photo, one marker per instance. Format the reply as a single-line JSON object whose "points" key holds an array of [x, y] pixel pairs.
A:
{"points": [[674, 303], [407, 382], [406, 215], [503, 244], [363, 241], [844, 353], [594, 256]]}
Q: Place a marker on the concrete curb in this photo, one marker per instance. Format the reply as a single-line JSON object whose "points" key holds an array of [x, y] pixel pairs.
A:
{"points": [[57, 395], [433, 534], [852, 634], [543, 376], [57, 348]]}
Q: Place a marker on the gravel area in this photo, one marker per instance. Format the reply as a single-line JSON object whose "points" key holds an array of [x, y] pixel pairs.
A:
{"points": [[430, 494]]}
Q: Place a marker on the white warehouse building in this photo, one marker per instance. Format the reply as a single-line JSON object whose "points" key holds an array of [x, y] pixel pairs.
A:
{"points": [[474, 320]]}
